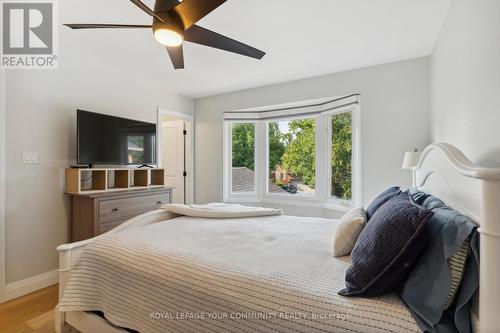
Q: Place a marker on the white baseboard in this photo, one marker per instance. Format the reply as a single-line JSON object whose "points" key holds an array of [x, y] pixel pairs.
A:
{"points": [[29, 285]]}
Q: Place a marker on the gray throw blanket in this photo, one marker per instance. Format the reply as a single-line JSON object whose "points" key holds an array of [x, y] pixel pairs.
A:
{"points": [[426, 290]]}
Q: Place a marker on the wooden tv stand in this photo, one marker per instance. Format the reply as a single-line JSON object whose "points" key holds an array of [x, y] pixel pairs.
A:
{"points": [[102, 198], [95, 213]]}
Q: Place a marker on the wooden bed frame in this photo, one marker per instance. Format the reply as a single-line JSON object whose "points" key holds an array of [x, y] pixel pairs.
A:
{"points": [[443, 171]]}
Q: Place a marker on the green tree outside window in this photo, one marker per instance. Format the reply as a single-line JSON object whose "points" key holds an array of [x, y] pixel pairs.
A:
{"points": [[243, 145]]}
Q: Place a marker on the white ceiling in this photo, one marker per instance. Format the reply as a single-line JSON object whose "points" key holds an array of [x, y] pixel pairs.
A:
{"points": [[302, 39]]}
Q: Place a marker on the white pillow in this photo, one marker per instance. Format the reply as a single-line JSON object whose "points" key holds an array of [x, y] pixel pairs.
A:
{"points": [[348, 230]]}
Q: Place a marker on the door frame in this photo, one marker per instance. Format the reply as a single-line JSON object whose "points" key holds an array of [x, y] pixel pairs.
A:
{"points": [[189, 151]]}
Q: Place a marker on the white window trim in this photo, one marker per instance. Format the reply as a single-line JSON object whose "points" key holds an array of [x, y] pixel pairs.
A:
{"points": [[266, 194], [228, 162], [355, 162], [322, 197]]}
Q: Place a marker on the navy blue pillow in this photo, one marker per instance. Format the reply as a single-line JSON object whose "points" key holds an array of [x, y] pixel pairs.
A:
{"points": [[381, 199], [387, 248]]}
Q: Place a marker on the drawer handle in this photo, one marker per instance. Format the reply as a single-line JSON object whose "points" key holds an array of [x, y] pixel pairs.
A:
{"points": [[114, 210], [158, 202]]}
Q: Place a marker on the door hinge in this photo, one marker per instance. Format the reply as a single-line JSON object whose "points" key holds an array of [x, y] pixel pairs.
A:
{"points": [[184, 132], [185, 174]]}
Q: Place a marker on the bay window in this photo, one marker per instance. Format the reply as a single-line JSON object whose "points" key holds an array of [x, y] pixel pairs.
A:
{"points": [[304, 153]]}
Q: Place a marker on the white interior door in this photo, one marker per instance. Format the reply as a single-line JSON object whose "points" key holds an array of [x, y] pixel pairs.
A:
{"points": [[173, 156]]}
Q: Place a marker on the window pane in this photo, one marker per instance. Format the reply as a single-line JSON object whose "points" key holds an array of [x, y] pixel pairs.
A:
{"points": [[243, 152], [341, 156], [292, 156]]}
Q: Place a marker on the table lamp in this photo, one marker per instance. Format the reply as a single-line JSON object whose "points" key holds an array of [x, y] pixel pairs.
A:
{"points": [[410, 162]]}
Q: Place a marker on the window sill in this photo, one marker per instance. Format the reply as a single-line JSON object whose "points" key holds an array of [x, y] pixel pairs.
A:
{"points": [[332, 205], [301, 201], [236, 198], [291, 197]]}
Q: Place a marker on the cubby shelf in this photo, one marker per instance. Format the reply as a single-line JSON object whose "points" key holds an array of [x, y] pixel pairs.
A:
{"points": [[82, 181], [158, 177]]}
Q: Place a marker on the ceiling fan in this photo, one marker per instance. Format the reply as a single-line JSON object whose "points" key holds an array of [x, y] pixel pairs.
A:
{"points": [[174, 21]]}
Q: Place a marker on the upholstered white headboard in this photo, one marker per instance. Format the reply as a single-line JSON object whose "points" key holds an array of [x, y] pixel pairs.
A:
{"points": [[445, 172]]}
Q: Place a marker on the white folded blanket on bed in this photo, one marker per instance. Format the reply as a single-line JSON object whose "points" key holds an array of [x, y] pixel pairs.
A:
{"points": [[218, 210]]}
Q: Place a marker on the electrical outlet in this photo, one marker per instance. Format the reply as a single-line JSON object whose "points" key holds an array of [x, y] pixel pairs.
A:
{"points": [[30, 157]]}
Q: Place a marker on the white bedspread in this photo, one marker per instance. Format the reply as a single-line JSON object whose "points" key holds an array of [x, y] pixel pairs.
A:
{"points": [[239, 275]]}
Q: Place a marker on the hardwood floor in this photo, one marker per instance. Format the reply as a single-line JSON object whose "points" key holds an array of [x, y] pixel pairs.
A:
{"points": [[33, 313]]}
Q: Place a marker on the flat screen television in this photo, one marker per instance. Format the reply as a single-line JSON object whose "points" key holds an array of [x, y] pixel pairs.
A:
{"points": [[103, 139]]}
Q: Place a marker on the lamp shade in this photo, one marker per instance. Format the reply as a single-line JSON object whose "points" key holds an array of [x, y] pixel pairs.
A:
{"points": [[411, 159]]}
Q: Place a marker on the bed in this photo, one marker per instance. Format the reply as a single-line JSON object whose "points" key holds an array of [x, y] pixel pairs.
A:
{"points": [[163, 273]]}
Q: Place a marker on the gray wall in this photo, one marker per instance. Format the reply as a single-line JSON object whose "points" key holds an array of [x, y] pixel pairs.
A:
{"points": [[394, 119], [465, 81], [41, 116]]}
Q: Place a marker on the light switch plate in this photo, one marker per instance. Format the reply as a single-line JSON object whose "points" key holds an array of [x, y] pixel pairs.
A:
{"points": [[30, 157]]}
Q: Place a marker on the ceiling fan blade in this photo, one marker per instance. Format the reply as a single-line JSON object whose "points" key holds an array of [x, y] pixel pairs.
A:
{"points": [[191, 11], [199, 35], [163, 6], [106, 26], [146, 9], [176, 55]]}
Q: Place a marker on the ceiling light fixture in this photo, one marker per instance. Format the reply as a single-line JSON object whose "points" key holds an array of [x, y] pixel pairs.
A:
{"points": [[168, 34]]}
